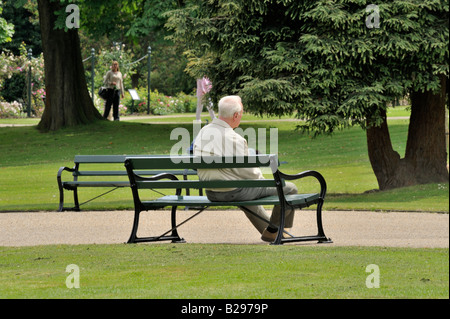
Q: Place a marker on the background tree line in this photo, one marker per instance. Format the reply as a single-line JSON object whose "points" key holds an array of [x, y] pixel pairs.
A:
{"points": [[324, 63], [317, 60], [168, 62]]}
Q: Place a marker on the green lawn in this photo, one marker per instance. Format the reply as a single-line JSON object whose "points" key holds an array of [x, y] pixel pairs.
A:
{"points": [[192, 271], [395, 112], [33, 157], [30, 160]]}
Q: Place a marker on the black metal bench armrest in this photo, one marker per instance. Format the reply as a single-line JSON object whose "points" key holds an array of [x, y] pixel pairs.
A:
{"points": [[62, 169], [60, 186], [156, 177], [315, 174], [65, 168], [136, 178]]}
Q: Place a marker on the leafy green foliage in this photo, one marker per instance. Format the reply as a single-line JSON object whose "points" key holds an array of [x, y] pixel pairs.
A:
{"points": [[6, 29], [138, 25], [316, 58], [14, 88], [23, 15]]}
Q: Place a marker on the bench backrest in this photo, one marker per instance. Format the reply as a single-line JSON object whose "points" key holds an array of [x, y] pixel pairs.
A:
{"points": [[116, 159], [195, 162], [100, 159]]}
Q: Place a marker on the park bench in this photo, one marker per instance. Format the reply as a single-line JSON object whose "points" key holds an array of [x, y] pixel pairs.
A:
{"points": [[169, 181], [100, 176]]}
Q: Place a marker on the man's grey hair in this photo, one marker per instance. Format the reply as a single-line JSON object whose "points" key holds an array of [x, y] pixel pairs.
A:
{"points": [[228, 105]]}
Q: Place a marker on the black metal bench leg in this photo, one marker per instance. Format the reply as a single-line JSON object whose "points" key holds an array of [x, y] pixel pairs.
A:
{"points": [[133, 235], [319, 220], [75, 200], [321, 233], [61, 199], [174, 226], [61, 191], [277, 240]]}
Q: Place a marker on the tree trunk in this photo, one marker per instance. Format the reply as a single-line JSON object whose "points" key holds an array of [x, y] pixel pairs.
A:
{"points": [[67, 99], [426, 149], [390, 170], [426, 156]]}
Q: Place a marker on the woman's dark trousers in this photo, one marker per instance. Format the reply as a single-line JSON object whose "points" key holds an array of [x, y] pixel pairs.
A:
{"points": [[113, 99]]}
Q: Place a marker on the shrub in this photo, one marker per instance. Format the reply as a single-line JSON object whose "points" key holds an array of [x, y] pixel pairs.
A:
{"points": [[14, 87], [13, 80], [161, 104], [10, 109]]}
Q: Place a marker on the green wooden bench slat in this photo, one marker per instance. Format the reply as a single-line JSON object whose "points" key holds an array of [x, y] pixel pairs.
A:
{"points": [[107, 158], [100, 161], [173, 200], [206, 184], [97, 183], [210, 162], [298, 199], [124, 173]]}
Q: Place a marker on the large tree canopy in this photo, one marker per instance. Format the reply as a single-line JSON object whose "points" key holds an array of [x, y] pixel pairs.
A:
{"points": [[136, 23], [6, 29], [329, 64], [68, 102], [140, 24]]}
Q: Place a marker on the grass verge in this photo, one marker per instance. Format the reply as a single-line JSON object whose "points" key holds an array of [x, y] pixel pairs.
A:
{"points": [[30, 160], [223, 271]]}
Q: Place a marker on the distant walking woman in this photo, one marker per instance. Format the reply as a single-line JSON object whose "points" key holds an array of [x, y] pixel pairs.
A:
{"points": [[114, 83]]}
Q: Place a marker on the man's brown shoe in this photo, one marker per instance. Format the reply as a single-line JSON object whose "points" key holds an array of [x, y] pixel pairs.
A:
{"points": [[270, 237]]}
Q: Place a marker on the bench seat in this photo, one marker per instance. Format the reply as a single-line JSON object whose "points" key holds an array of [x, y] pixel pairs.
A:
{"points": [[167, 182], [105, 166], [297, 200]]}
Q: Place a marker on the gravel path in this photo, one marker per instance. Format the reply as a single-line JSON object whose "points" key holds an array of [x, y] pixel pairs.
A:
{"points": [[346, 228]]}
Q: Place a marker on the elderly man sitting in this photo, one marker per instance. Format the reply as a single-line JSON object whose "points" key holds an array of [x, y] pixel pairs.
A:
{"points": [[219, 139]]}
